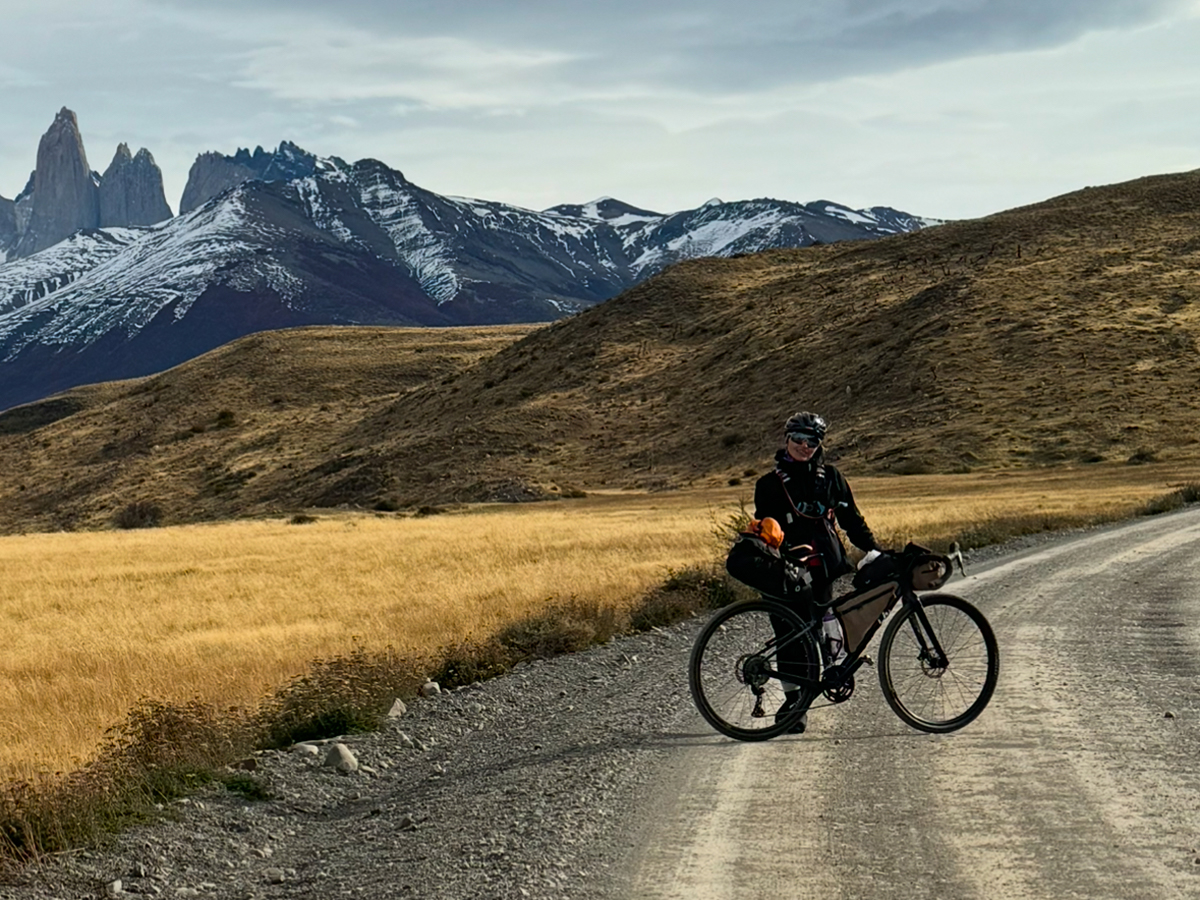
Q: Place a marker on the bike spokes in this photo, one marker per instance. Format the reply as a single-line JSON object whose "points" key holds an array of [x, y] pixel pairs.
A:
{"points": [[939, 664], [744, 661]]}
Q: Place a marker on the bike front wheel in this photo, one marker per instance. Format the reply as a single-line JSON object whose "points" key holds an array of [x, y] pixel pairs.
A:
{"points": [[742, 662], [938, 663]]}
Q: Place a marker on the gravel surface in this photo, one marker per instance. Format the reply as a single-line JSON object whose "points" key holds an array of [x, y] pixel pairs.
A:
{"points": [[515, 787]]}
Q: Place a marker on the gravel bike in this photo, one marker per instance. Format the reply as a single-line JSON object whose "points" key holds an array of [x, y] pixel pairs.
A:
{"points": [[938, 659]]}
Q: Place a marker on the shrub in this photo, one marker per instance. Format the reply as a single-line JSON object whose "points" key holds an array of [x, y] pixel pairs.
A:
{"points": [[685, 593], [470, 660], [160, 752], [139, 514], [1189, 493], [340, 695], [725, 530]]}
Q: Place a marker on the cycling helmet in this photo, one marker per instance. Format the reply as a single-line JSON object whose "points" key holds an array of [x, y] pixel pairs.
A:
{"points": [[806, 423]]}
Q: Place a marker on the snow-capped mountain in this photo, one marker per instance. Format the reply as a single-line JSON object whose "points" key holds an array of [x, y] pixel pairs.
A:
{"points": [[339, 243]]}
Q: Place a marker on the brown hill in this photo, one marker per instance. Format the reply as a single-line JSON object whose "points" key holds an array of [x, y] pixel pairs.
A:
{"points": [[1060, 333]]}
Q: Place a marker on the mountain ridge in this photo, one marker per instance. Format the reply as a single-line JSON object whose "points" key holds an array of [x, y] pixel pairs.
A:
{"points": [[1065, 333], [310, 240]]}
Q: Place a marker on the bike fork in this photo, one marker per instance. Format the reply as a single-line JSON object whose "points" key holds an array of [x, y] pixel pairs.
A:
{"points": [[931, 649]]}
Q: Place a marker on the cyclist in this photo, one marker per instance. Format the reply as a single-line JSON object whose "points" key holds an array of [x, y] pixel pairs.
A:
{"points": [[806, 495]]}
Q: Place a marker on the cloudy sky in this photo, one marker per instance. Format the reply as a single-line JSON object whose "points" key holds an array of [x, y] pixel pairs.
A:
{"points": [[946, 108]]}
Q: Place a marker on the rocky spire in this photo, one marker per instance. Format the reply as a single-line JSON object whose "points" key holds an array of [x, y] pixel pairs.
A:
{"points": [[213, 173], [65, 194], [8, 227], [210, 174], [131, 190]]}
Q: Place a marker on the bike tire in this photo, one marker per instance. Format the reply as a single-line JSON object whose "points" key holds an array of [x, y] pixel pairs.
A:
{"points": [[731, 653], [934, 698]]}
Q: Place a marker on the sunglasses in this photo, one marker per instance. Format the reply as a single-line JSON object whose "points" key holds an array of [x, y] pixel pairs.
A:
{"points": [[811, 439]]}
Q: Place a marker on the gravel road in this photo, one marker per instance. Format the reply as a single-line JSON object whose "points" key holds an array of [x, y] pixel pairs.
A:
{"points": [[591, 776]]}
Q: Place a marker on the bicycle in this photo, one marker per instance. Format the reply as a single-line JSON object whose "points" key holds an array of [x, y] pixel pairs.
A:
{"points": [[938, 658]]}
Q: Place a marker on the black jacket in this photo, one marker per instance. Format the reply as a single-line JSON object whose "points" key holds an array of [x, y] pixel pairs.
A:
{"points": [[817, 491]]}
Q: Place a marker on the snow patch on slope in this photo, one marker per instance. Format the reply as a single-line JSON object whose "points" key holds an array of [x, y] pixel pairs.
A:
{"points": [[170, 266], [427, 255]]}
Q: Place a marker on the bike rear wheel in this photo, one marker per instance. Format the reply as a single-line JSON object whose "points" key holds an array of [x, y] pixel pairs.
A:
{"points": [[737, 664], [938, 692]]}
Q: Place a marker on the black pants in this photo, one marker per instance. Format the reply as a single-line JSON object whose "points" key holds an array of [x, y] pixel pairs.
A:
{"points": [[798, 657]]}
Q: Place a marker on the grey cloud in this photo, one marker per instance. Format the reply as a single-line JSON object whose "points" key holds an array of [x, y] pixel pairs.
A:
{"points": [[707, 45]]}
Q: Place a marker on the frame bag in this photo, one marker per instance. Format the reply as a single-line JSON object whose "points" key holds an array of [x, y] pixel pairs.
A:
{"points": [[861, 612]]}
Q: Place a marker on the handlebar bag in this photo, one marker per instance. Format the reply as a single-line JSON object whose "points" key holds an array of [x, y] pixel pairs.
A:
{"points": [[883, 568]]}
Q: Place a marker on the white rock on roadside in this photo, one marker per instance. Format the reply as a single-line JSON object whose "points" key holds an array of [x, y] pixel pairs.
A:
{"points": [[341, 758], [398, 709]]}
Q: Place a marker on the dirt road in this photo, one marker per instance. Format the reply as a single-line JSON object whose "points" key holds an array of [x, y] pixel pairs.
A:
{"points": [[1081, 779]]}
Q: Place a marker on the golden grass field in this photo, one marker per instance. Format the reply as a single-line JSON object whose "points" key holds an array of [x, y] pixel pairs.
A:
{"points": [[227, 613]]}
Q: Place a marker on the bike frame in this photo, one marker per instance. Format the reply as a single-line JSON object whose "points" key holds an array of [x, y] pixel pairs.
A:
{"points": [[833, 677]]}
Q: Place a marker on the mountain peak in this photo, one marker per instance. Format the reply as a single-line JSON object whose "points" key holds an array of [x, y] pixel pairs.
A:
{"points": [[131, 190], [604, 209], [213, 173], [65, 196]]}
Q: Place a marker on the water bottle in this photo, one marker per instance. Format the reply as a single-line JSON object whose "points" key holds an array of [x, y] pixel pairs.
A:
{"points": [[835, 641]]}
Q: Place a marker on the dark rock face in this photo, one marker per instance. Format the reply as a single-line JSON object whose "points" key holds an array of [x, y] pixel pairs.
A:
{"points": [[23, 205], [213, 173], [8, 227], [131, 191], [65, 193]]}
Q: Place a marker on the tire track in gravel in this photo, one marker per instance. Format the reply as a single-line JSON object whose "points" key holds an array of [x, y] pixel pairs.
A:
{"points": [[1074, 784], [1071, 784]]}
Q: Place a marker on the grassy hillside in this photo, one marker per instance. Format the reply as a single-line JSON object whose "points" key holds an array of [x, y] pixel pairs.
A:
{"points": [[1063, 333]]}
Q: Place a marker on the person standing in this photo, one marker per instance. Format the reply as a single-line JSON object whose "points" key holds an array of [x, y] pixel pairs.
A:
{"points": [[807, 496]]}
